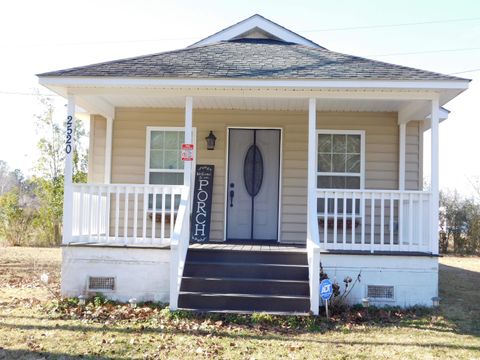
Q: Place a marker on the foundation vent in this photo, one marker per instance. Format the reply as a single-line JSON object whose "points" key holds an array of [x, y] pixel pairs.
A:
{"points": [[101, 283], [380, 292]]}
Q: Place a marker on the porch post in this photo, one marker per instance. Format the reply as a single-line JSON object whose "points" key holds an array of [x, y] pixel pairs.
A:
{"points": [[313, 248], [108, 151], [435, 199], [67, 186], [311, 181], [187, 175], [401, 157]]}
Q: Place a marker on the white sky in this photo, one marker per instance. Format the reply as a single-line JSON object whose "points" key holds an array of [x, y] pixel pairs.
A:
{"points": [[38, 36]]}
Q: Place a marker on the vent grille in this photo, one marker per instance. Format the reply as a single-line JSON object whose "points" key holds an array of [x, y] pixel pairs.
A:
{"points": [[380, 292], [101, 283]]}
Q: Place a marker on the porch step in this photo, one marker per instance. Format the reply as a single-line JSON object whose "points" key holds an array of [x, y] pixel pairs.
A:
{"points": [[278, 257], [227, 285], [245, 270], [245, 281], [257, 302]]}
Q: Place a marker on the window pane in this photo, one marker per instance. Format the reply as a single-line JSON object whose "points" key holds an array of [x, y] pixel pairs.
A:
{"points": [[157, 139], [156, 159], [166, 178], [173, 140], [338, 182], [353, 182], [324, 162], [324, 182], [325, 143], [172, 159], [353, 163], [338, 162], [353, 144], [339, 144]]}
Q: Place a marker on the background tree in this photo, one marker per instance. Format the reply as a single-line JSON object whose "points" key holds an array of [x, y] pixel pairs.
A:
{"points": [[460, 224], [17, 207], [50, 165]]}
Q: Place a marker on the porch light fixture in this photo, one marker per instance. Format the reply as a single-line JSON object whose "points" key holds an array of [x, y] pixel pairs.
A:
{"points": [[133, 303], [211, 141], [436, 301], [81, 300]]}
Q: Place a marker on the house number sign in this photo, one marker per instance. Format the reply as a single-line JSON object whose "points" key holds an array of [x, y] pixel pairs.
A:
{"points": [[68, 142], [202, 203]]}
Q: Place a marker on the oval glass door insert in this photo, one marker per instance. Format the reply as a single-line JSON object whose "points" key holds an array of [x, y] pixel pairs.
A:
{"points": [[253, 170]]}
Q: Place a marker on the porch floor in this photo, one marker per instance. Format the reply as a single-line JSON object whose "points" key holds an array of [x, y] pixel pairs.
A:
{"points": [[250, 246]]}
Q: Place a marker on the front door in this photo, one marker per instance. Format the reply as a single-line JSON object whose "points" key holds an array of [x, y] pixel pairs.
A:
{"points": [[253, 184]]}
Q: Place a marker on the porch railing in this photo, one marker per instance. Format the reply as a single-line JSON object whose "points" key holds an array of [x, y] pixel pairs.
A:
{"points": [[374, 220], [179, 247], [125, 214]]}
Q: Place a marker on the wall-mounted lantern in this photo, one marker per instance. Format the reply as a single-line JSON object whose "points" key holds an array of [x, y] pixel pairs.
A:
{"points": [[435, 301], [211, 141]]}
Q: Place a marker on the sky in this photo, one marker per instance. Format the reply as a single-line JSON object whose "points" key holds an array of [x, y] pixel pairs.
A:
{"points": [[39, 36]]}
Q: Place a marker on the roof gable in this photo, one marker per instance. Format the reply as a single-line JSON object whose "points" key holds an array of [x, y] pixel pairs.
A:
{"points": [[256, 26]]}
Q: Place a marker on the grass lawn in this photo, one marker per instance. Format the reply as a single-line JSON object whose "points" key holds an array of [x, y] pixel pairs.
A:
{"points": [[29, 331]]}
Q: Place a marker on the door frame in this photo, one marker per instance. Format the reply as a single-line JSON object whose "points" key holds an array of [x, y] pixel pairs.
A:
{"points": [[280, 172]]}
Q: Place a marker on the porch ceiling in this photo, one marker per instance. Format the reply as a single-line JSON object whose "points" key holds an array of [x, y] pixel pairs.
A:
{"points": [[252, 103]]}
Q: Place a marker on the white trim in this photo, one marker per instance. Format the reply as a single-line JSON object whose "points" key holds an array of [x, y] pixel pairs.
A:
{"points": [[68, 186], [256, 22], [108, 150], [187, 180], [280, 174], [434, 174], [149, 130], [362, 154], [401, 156], [248, 83]]}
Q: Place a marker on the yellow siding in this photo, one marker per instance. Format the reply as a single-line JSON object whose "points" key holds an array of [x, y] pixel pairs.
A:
{"points": [[381, 129], [96, 154]]}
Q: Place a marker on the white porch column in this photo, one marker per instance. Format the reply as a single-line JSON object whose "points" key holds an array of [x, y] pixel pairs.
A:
{"points": [[435, 200], [311, 177], [401, 158], [67, 189], [108, 151], [313, 248], [187, 175]]}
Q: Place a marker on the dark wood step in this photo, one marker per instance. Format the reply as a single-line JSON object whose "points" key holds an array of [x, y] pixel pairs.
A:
{"points": [[245, 286], [266, 257], [245, 270], [247, 312], [243, 302]]}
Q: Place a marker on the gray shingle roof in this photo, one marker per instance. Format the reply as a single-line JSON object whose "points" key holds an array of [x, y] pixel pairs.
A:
{"points": [[252, 59]]}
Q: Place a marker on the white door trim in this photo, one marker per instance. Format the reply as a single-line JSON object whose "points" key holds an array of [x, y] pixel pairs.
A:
{"points": [[280, 171]]}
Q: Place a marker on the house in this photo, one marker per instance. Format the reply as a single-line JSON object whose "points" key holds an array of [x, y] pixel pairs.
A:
{"points": [[318, 159]]}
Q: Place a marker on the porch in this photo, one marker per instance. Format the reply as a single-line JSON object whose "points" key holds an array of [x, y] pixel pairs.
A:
{"points": [[320, 220]]}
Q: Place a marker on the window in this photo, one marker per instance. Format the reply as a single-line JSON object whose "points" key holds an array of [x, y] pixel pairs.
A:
{"points": [[340, 159], [164, 165]]}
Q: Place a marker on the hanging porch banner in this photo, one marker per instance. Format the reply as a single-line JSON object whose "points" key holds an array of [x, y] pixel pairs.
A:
{"points": [[202, 203]]}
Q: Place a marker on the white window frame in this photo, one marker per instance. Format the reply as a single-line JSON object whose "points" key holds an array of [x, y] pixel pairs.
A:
{"points": [[148, 170], [362, 155]]}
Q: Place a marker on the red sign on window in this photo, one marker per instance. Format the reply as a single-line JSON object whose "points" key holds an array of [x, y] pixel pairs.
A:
{"points": [[187, 152]]}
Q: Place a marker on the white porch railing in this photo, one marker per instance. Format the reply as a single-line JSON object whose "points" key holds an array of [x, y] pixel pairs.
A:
{"points": [[179, 247], [124, 214], [374, 220]]}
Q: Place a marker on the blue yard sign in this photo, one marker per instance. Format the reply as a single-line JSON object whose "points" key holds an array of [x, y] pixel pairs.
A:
{"points": [[326, 289]]}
